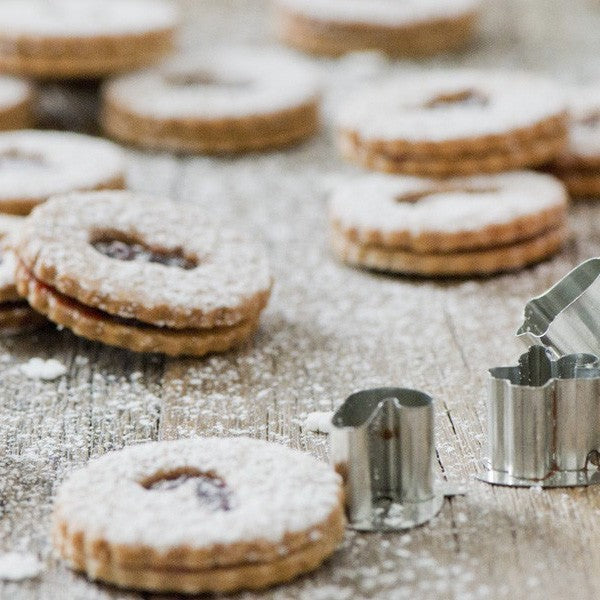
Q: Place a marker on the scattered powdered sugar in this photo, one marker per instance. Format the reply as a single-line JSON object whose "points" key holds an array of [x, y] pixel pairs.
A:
{"points": [[47, 370], [16, 566], [318, 422]]}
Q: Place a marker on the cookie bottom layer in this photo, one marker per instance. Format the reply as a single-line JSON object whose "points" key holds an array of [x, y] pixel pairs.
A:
{"points": [[23, 206], [220, 579], [524, 153], [411, 40], [581, 183], [96, 325], [252, 132], [459, 264], [82, 57], [18, 317]]}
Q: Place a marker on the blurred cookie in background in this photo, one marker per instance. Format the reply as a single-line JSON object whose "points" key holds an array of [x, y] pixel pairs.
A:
{"points": [[16, 99]]}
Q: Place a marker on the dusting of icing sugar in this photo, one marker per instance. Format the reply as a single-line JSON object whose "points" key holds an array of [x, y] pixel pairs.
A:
{"points": [[17, 566], [584, 129], [397, 108], [46, 370], [376, 201], [319, 422], [273, 80], [13, 91], [381, 12], [48, 18], [276, 490], [66, 162], [230, 268]]}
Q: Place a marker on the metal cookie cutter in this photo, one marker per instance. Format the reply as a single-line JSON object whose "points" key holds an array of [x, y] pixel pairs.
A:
{"points": [[566, 318], [382, 444], [544, 421]]}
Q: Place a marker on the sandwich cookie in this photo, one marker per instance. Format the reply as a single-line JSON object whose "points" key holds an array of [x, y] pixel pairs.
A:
{"points": [[69, 39], [16, 99], [16, 316], [35, 165], [141, 273], [457, 227], [199, 515], [454, 122], [579, 165], [411, 28], [230, 100]]}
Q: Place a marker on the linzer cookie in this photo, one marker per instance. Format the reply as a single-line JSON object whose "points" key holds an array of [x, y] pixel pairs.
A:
{"points": [[228, 100], [16, 315], [413, 28], [456, 227], [141, 273], [199, 515], [454, 122], [579, 165], [83, 38], [16, 99], [35, 165]]}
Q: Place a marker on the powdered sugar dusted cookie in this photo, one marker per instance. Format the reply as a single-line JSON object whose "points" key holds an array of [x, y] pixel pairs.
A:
{"points": [[141, 273], [440, 123], [15, 314], [35, 165], [199, 515], [15, 103], [83, 38], [408, 28], [226, 100], [460, 226], [579, 165]]}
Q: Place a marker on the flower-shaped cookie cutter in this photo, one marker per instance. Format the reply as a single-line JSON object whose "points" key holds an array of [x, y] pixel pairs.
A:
{"points": [[544, 421], [566, 318], [382, 443]]}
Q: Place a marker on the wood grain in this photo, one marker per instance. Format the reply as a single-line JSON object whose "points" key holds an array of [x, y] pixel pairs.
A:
{"points": [[329, 330]]}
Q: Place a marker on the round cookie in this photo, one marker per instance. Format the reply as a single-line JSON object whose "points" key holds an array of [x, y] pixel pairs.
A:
{"points": [[453, 122], [579, 165], [199, 515], [141, 273], [35, 165], [229, 100], [456, 227], [16, 315], [410, 28], [16, 97], [83, 38]]}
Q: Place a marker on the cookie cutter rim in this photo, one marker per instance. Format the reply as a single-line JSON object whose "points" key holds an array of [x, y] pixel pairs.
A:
{"points": [[544, 421], [382, 443], [563, 318]]}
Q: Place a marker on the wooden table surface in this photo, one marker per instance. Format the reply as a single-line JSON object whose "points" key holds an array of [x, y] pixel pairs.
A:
{"points": [[329, 330]]}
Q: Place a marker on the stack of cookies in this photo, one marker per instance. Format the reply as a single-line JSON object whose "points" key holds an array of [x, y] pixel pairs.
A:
{"points": [[440, 125]]}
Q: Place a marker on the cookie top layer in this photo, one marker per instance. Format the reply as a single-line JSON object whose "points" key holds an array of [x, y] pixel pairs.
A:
{"points": [[400, 210], [380, 12], [83, 18], [584, 125], [37, 164], [144, 258], [450, 105], [199, 493], [229, 82], [13, 91]]}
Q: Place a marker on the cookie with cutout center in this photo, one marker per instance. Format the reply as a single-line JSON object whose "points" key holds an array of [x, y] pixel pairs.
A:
{"points": [[199, 515], [75, 39], [462, 226], [142, 273], [453, 122], [412, 28]]}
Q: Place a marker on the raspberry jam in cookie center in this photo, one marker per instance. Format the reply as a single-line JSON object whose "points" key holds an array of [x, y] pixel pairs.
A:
{"points": [[461, 98], [15, 160], [416, 196], [130, 250], [209, 489]]}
